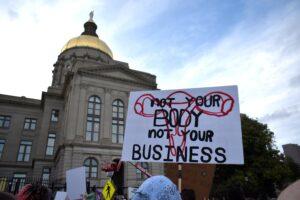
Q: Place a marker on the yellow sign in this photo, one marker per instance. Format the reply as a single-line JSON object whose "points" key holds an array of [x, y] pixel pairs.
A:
{"points": [[109, 190]]}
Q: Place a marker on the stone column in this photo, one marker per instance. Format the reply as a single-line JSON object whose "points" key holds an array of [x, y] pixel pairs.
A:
{"points": [[82, 110], [106, 122]]}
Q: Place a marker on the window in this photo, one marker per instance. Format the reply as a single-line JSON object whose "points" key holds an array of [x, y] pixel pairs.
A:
{"points": [[24, 151], [117, 132], [93, 119], [50, 144], [54, 115], [30, 124], [2, 142], [18, 181], [91, 168], [4, 121], [140, 175], [46, 176]]}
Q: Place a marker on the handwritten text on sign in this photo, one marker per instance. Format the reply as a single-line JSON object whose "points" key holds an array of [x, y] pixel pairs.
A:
{"points": [[187, 126]]}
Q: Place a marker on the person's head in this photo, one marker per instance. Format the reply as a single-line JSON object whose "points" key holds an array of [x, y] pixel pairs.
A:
{"points": [[157, 187], [34, 192], [7, 196]]}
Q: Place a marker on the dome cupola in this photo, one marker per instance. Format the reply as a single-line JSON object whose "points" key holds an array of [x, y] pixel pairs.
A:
{"points": [[88, 38]]}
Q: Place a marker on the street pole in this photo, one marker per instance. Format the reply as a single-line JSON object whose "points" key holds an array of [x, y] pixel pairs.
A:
{"points": [[179, 177]]}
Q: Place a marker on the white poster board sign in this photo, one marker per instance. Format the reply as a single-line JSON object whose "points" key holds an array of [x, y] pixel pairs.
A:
{"points": [[76, 183], [184, 126], [60, 195]]}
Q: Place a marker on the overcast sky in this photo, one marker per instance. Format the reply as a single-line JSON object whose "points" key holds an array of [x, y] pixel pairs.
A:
{"points": [[186, 44]]}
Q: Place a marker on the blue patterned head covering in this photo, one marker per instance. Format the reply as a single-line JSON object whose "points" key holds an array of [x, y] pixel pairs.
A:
{"points": [[157, 188]]}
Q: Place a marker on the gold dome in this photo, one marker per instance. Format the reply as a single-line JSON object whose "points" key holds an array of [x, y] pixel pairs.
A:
{"points": [[88, 41]]}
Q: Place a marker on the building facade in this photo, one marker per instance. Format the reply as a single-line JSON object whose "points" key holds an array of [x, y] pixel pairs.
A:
{"points": [[79, 121], [292, 151]]}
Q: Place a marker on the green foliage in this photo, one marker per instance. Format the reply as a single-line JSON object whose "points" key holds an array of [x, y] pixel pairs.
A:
{"points": [[264, 170], [295, 170]]}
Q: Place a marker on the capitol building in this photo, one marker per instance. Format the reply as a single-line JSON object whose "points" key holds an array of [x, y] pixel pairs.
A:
{"points": [[79, 121]]}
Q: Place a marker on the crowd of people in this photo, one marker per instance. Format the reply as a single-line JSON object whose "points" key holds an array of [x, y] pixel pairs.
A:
{"points": [[153, 188], [33, 191]]}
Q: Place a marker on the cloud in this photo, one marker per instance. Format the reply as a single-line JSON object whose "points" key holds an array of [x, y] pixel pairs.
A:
{"points": [[12, 14], [134, 14], [33, 33], [255, 59], [280, 114], [262, 58], [295, 81], [31, 37]]}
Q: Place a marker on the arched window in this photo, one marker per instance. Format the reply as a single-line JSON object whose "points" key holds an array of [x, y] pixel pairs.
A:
{"points": [[139, 174], [93, 119], [91, 167], [117, 132]]}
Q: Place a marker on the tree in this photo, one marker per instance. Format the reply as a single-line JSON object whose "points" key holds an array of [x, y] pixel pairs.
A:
{"points": [[264, 169], [295, 170]]}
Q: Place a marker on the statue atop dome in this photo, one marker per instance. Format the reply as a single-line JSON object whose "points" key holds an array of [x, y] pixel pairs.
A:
{"points": [[90, 26], [91, 16]]}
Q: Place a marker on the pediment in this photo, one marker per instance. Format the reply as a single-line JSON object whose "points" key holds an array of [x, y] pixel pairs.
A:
{"points": [[119, 73]]}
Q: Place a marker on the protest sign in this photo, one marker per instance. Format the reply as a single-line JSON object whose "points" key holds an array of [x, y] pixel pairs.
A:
{"points": [[60, 195], [76, 183], [184, 126]]}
